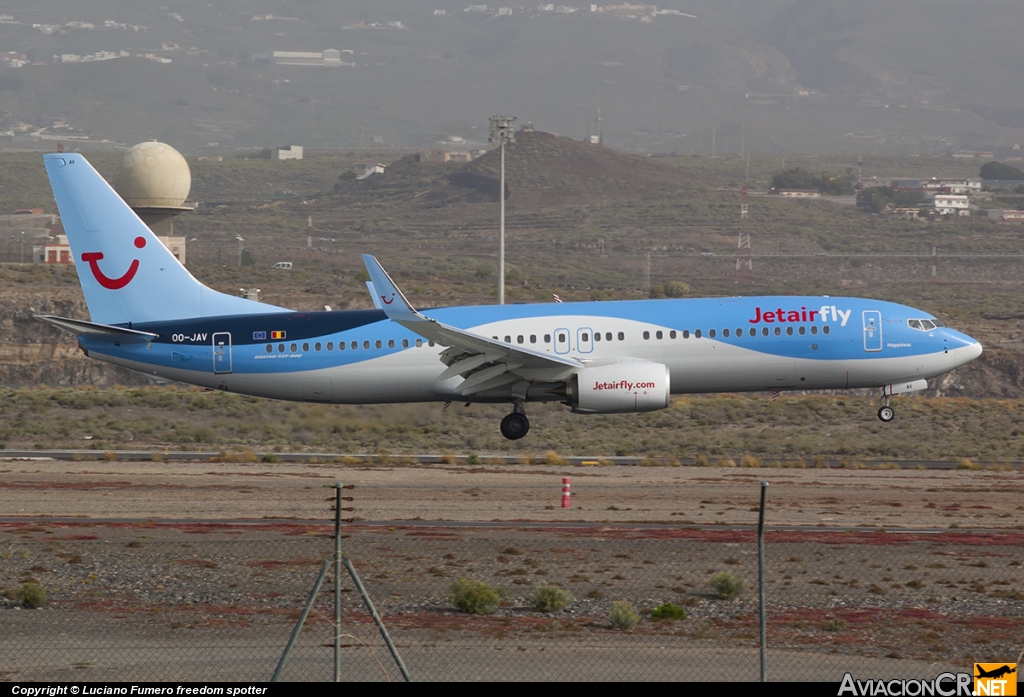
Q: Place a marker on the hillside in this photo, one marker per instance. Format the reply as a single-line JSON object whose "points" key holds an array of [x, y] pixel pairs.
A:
{"points": [[541, 169], [825, 76]]}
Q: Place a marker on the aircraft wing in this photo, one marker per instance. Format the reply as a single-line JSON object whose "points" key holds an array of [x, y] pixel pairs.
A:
{"points": [[103, 331], [485, 363]]}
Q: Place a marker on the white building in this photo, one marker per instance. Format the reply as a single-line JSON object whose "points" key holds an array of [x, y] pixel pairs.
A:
{"points": [[292, 152], [952, 186], [952, 204], [365, 168]]}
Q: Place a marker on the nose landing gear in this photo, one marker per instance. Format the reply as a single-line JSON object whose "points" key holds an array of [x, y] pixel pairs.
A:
{"points": [[515, 425], [886, 413]]}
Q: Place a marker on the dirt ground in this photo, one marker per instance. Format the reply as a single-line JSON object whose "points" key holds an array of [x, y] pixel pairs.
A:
{"points": [[700, 495], [140, 595]]}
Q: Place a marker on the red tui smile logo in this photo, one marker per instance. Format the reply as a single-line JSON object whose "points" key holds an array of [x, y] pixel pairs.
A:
{"points": [[113, 283], [386, 300]]}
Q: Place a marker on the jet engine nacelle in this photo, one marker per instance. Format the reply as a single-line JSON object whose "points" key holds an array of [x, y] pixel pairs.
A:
{"points": [[620, 387]]}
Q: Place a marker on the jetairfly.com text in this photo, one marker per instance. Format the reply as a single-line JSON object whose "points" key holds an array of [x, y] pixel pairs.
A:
{"points": [[624, 385], [55, 690], [827, 313]]}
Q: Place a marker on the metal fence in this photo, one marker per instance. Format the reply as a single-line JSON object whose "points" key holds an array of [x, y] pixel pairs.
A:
{"points": [[151, 601]]}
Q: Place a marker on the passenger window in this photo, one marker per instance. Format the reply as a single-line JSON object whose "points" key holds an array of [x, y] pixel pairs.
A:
{"points": [[430, 343], [802, 330], [608, 336], [764, 331], [377, 344], [533, 338], [825, 330], [305, 346], [341, 345], [561, 338], [686, 333], [725, 332], [778, 331], [316, 346], [366, 345], [647, 335], [672, 334], [622, 336], [696, 333], [520, 339], [391, 343], [658, 335], [753, 332], [814, 329], [547, 338], [585, 337], [419, 342], [597, 336], [508, 339], [280, 348], [405, 343], [739, 332], [711, 333], [330, 345], [789, 331], [355, 345], [270, 348]]}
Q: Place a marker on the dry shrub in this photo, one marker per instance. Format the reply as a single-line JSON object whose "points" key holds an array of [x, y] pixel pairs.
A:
{"points": [[553, 458], [623, 616]]}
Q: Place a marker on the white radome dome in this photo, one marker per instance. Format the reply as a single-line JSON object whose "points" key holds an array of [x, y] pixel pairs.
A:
{"points": [[153, 175]]}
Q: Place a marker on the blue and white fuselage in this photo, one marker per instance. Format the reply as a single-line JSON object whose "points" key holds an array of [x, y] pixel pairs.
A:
{"points": [[708, 345], [149, 314]]}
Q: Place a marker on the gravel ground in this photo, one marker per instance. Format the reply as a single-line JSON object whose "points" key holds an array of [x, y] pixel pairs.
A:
{"points": [[129, 596]]}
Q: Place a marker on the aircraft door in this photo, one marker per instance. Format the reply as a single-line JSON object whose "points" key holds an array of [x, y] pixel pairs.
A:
{"points": [[561, 337], [584, 340], [222, 352], [872, 330]]}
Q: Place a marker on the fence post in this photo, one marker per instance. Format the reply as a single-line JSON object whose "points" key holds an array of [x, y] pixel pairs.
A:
{"points": [[337, 582], [760, 584], [302, 620], [376, 618]]}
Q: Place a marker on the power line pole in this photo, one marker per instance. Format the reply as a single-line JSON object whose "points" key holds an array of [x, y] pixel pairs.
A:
{"points": [[503, 131]]}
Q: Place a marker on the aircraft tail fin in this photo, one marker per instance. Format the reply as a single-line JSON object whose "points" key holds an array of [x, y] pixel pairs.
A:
{"points": [[127, 274]]}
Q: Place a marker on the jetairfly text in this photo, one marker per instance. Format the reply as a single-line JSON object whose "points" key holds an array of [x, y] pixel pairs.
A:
{"points": [[827, 313]]}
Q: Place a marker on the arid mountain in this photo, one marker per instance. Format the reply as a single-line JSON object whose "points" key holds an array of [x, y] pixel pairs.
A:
{"points": [[918, 76]]}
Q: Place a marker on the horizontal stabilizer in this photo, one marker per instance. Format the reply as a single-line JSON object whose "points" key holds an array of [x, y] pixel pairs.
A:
{"points": [[79, 326]]}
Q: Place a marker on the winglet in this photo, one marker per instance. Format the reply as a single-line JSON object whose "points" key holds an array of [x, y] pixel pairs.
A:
{"points": [[387, 294]]}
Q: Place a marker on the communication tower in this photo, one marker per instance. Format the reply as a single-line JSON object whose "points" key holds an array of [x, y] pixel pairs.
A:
{"points": [[744, 258]]}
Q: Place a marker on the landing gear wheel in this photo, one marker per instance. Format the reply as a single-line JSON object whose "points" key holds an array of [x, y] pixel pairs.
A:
{"points": [[886, 414], [515, 426]]}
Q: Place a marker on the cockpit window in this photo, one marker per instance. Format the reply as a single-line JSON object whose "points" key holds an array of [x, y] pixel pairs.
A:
{"points": [[924, 325]]}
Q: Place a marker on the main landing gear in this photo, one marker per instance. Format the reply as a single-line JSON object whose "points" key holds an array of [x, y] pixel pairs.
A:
{"points": [[515, 425], [886, 413]]}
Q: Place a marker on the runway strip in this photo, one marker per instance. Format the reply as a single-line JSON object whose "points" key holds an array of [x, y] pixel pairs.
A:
{"points": [[430, 459]]}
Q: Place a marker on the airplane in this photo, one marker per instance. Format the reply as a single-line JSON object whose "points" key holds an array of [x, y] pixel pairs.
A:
{"points": [[148, 313], [995, 672]]}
